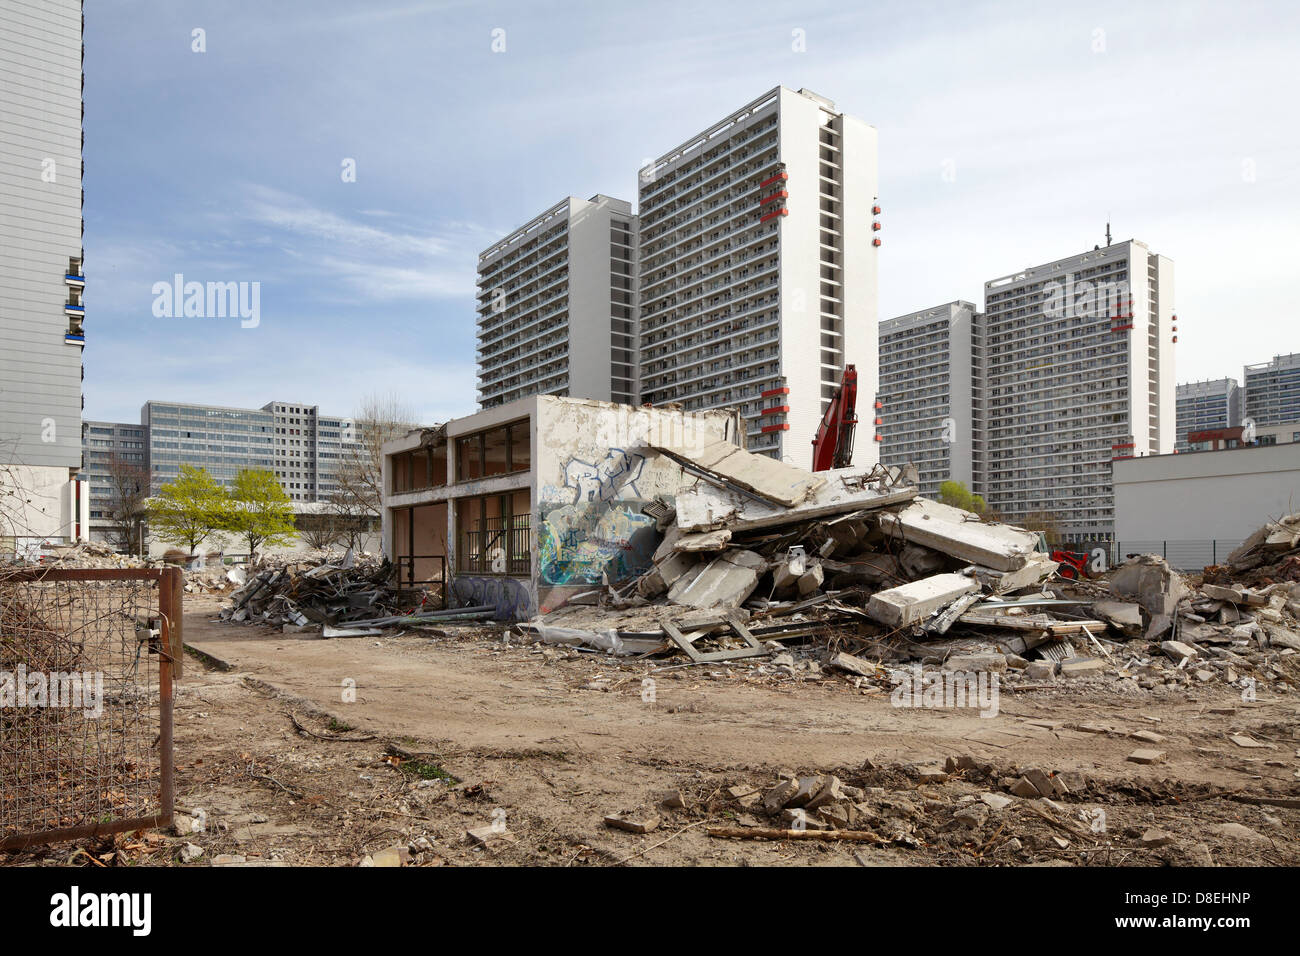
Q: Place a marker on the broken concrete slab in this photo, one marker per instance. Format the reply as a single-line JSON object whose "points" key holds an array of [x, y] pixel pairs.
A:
{"points": [[726, 581], [1124, 616], [1147, 756], [977, 663], [703, 541], [705, 507], [962, 535], [730, 466], [1037, 569], [916, 601], [1150, 581], [852, 665], [1082, 667], [1178, 651]]}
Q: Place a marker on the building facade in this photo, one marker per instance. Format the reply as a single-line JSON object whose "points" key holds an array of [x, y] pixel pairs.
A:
{"points": [[1230, 492], [116, 460], [930, 405], [1079, 373], [1205, 405], [1272, 390], [557, 306], [220, 439], [758, 268], [42, 279]]}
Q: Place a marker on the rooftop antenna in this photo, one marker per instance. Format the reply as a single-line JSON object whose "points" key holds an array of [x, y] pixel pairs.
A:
{"points": [[1108, 232]]}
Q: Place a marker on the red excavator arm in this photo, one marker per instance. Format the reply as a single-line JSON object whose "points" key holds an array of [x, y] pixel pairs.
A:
{"points": [[833, 446]]}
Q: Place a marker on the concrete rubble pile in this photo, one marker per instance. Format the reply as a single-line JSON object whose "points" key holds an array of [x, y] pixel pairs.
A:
{"points": [[85, 555], [354, 598], [853, 572], [760, 553]]}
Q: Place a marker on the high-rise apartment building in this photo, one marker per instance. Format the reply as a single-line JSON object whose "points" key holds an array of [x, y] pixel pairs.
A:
{"points": [[1205, 405], [41, 274], [1272, 390], [557, 306], [931, 410], [1079, 372], [758, 268]]}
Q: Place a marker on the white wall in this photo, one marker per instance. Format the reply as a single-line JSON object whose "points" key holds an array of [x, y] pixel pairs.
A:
{"points": [[1214, 494]]}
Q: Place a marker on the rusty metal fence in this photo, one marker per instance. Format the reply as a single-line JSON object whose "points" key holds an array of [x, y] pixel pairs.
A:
{"points": [[87, 660]]}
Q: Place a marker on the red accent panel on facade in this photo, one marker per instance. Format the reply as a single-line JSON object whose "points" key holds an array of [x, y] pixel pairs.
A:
{"points": [[776, 428], [775, 212], [767, 182], [777, 195], [775, 410], [783, 390]]}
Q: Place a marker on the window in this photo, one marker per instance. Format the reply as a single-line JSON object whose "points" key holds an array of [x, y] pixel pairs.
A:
{"points": [[497, 451]]}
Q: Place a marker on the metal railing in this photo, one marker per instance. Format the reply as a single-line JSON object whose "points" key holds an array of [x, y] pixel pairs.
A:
{"points": [[87, 659], [502, 546]]}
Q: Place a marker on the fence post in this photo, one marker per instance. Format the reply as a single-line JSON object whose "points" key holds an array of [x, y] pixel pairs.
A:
{"points": [[171, 597], [1214, 550]]}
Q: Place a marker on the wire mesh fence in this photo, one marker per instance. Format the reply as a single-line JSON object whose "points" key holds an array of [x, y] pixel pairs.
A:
{"points": [[1183, 554], [85, 701]]}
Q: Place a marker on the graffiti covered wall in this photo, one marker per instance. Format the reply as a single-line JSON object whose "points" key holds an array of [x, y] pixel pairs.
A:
{"points": [[595, 472]]}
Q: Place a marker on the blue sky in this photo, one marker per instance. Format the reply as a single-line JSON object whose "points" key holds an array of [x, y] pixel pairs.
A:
{"points": [[1175, 121]]}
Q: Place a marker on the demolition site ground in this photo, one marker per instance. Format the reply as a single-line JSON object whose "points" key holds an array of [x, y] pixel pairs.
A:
{"points": [[390, 750]]}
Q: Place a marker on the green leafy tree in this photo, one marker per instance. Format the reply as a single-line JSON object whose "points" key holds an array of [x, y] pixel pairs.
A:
{"points": [[260, 512], [956, 493], [189, 508]]}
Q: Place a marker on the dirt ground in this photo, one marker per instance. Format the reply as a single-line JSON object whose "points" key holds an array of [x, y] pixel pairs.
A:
{"points": [[414, 740]]}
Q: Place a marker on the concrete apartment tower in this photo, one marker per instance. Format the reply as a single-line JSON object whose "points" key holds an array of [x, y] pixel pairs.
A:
{"points": [[758, 269], [1204, 405], [1272, 391], [931, 401], [557, 306], [41, 274], [1079, 372]]}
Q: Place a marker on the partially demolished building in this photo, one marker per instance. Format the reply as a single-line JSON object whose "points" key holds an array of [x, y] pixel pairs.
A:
{"points": [[521, 505]]}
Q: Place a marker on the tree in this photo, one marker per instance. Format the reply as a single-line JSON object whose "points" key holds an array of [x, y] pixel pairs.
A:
{"points": [[129, 490], [956, 493], [189, 508], [353, 519], [260, 512], [1046, 523], [360, 476], [320, 530]]}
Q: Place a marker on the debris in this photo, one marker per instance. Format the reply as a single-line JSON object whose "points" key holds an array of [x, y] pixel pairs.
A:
{"points": [[912, 602], [1147, 756], [633, 823]]}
